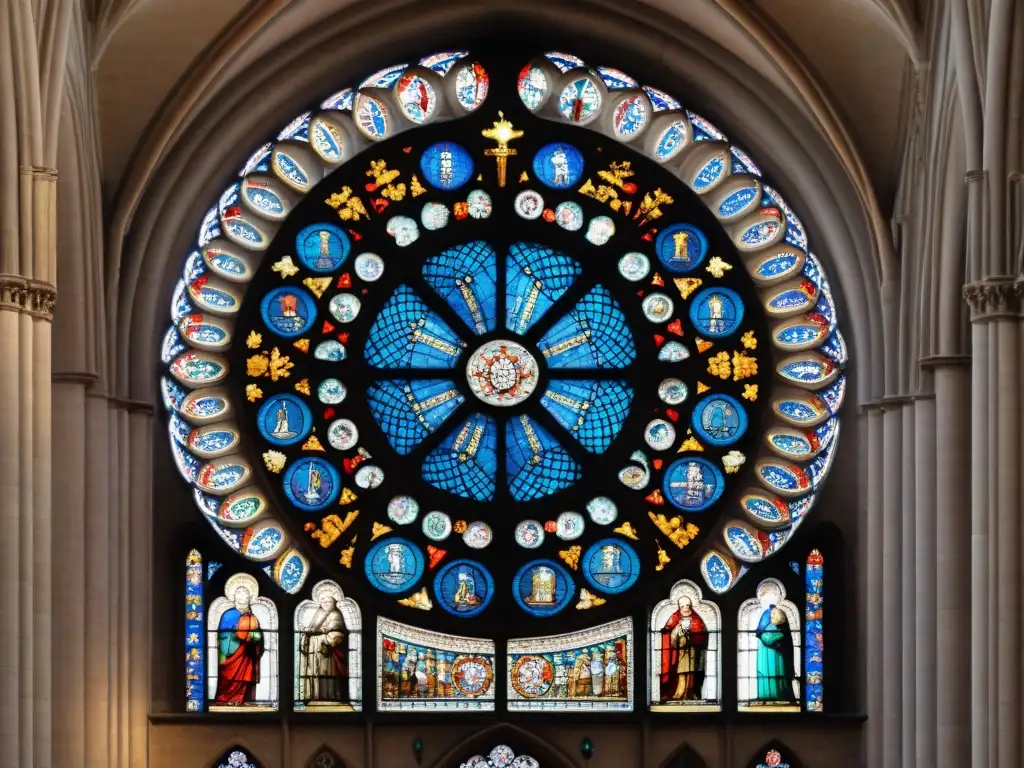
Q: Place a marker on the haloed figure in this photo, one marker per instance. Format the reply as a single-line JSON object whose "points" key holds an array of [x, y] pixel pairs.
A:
{"points": [[239, 650], [684, 648], [322, 667], [774, 656]]}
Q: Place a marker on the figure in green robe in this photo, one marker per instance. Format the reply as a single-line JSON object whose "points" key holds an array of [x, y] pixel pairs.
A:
{"points": [[774, 657]]}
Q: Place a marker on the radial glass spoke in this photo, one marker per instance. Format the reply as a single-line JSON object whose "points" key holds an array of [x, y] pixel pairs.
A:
{"points": [[536, 464], [408, 334], [535, 278], [466, 462], [407, 411], [593, 334], [592, 411], [466, 277]]}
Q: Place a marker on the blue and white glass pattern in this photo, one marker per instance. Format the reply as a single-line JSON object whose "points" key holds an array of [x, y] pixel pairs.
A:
{"points": [[408, 334], [284, 419], [394, 565], [611, 566], [289, 311], [720, 420], [543, 587], [466, 277], [535, 278], [408, 411], [322, 248], [693, 484], [558, 165], [446, 165], [536, 464], [594, 334], [464, 588], [716, 312], [312, 484], [681, 248]]}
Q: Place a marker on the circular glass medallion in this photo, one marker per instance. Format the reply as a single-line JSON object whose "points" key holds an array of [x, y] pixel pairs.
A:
{"points": [[602, 510], [681, 248], [558, 166], [416, 97], [478, 535], [580, 101], [331, 391], [479, 204], [634, 266], [446, 165], [720, 420], [322, 248], [312, 484], [693, 485], [369, 267], [657, 307], [673, 391], [543, 587], [569, 526], [611, 566], [716, 312], [288, 311], [369, 476], [284, 420], [471, 84], [434, 216], [600, 230], [660, 434], [344, 307], [394, 565], [342, 434], [502, 373], [472, 675], [529, 204], [630, 116], [529, 534], [403, 229], [532, 676], [437, 526], [464, 587], [532, 86], [403, 510], [569, 216]]}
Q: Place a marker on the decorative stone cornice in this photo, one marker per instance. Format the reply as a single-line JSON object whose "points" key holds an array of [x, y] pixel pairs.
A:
{"points": [[945, 361], [28, 296], [993, 298], [39, 171]]}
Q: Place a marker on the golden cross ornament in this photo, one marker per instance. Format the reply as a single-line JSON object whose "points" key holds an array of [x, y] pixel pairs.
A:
{"points": [[502, 133]]}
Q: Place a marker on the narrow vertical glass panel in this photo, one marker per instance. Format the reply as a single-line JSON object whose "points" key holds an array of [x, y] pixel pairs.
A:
{"points": [[594, 334], [814, 640], [408, 334], [466, 462], [592, 411], [195, 651], [769, 651], [685, 661], [535, 278], [408, 411], [536, 465], [466, 277], [328, 652]]}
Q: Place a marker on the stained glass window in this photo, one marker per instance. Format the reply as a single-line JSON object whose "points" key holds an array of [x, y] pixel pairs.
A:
{"points": [[502, 756], [328, 652], [195, 650], [236, 757], [769, 647], [685, 662], [772, 757], [325, 758], [814, 633]]}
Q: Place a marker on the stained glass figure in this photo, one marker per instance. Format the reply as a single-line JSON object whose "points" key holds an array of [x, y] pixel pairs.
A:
{"points": [[588, 671], [464, 587], [466, 277], [408, 411], [394, 565], [289, 311], [446, 165], [719, 419], [681, 248], [532, 86], [421, 670], [716, 312], [685, 662], [693, 484], [407, 334], [242, 637], [416, 97], [558, 166], [284, 420], [471, 85], [580, 101], [769, 647], [535, 278], [195, 650], [814, 629], [611, 566], [328, 652], [543, 587], [312, 484], [630, 116], [322, 248]]}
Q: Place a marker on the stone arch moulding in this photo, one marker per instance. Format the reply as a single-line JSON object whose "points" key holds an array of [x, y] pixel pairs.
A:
{"points": [[805, 348], [521, 741], [325, 757], [684, 757], [831, 192]]}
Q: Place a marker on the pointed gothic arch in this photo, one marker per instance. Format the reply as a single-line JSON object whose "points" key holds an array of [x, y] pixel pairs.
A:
{"points": [[774, 754], [325, 757], [521, 741], [236, 756], [684, 757]]}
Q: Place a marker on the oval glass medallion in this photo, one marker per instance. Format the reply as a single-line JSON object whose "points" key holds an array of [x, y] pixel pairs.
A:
{"points": [[331, 391], [673, 391], [478, 535], [602, 510], [345, 307], [634, 267], [529, 204], [693, 484], [342, 434], [394, 565], [312, 484], [569, 526], [369, 476], [479, 204], [369, 267], [529, 534], [464, 588], [657, 307], [437, 526], [660, 434], [403, 510], [502, 373]]}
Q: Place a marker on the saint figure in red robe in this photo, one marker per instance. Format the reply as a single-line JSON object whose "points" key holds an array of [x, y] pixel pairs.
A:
{"points": [[684, 650], [239, 650]]}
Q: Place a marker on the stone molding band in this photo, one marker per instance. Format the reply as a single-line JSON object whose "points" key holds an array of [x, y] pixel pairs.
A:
{"points": [[31, 297], [39, 171], [994, 298]]}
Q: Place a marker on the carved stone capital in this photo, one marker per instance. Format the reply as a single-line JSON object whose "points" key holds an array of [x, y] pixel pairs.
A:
{"points": [[28, 296], [994, 298]]}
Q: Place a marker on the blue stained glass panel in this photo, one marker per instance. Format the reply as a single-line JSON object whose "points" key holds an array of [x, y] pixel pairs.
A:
{"points": [[467, 461], [394, 565], [693, 484], [195, 633], [720, 419], [543, 587], [814, 647], [564, 61], [442, 62], [681, 248], [407, 334], [289, 311], [535, 278], [312, 484], [593, 411], [385, 78], [284, 419], [408, 411], [716, 312], [446, 165], [611, 566], [594, 334], [322, 248], [466, 277], [464, 587], [558, 165], [661, 100], [536, 464]]}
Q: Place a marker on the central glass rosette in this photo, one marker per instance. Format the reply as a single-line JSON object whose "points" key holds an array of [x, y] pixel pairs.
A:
{"points": [[584, 341], [502, 373]]}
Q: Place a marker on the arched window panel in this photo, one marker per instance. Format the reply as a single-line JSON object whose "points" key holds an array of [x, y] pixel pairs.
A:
{"points": [[242, 649], [195, 631], [326, 758], [586, 671], [502, 755], [769, 651], [774, 755], [236, 757], [685, 757], [430, 671], [814, 633], [328, 652], [685, 652], [736, 304]]}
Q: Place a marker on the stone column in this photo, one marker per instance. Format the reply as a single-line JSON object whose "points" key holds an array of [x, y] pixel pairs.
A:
{"points": [[924, 661], [892, 574]]}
